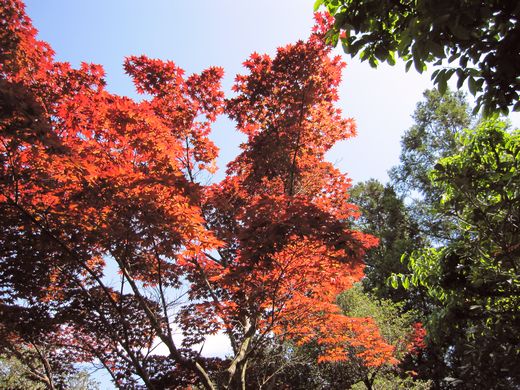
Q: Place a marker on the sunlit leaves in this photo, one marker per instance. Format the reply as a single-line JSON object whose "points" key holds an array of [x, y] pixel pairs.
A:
{"points": [[110, 235], [474, 275]]}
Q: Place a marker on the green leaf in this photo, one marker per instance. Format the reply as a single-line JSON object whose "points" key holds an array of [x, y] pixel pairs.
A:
{"points": [[419, 66], [391, 58], [462, 77], [449, 73], [417, 61], [332, 37], [408, 65], [403, 258], [381, 53], [394, 282], [472, 85], [442, 83], [317, 4], [373, 62]]}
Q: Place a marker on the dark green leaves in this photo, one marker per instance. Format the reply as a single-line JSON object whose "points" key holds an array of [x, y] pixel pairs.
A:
{"points": [[441, 78], [479, 34], [475, 273]]}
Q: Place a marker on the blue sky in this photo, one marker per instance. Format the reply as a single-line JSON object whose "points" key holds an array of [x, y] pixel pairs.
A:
{"points": [[196, 35]]}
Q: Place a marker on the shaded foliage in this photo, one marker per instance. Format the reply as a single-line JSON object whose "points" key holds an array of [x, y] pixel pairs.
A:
{"points": [[475, 275], [385, 215], [482, 36]]}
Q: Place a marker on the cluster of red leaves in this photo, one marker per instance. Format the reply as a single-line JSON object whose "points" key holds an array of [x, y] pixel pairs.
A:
{"points": [[87, 175], [283, 211], [417, 343], [93, 163]]}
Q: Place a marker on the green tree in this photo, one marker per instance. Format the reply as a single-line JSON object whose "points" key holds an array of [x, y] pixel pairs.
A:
{"points": [[413, 219], [384, 215], [482, 36], [403, 215], [16, 374], [398, 330], [438, 120], [475, 275]]}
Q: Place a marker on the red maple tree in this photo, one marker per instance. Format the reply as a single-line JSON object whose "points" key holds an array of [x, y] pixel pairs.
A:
{"points": [[91, 182]]}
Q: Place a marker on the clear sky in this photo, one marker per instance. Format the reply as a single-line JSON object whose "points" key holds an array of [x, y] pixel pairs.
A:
{"points": [[199, 34]]}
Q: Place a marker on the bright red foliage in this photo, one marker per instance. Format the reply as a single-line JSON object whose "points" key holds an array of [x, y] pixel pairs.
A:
{"points": [[417, 338], [89, 178]]}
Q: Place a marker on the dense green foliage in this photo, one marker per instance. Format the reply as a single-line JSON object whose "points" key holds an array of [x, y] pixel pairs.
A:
{"points": [[482, 36], [438, 120], [475, 275], [384, 214], [15, 375], [402, 213], [457, 191], [395, 326]]}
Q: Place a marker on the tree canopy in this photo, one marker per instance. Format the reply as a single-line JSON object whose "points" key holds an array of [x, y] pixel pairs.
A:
{"points": [[115, 251], [92, 182], [299, 369], [475, 275], [447, 224], [483, 37]]}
